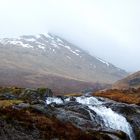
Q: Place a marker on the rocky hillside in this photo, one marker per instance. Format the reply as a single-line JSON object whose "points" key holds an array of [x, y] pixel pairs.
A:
{"points": [[36, 114], [29, 59], [132, 81]]}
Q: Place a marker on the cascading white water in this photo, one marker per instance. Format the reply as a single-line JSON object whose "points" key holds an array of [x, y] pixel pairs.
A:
{"points": [[54, 100], [110, 118], [113, 120]]}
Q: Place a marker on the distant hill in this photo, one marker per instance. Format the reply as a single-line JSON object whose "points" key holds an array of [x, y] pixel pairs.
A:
{"points": [[132, 81], [59, 85]]}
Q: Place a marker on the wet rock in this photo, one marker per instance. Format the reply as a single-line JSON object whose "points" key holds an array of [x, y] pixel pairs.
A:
{"points": [[72, 99], [61, 97]]}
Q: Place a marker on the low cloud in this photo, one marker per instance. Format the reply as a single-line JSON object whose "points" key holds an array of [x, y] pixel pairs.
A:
{"points": [[107, 29]]}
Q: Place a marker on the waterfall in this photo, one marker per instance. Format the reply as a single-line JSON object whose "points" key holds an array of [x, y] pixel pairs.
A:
{"points": [[113, 120], [110, 118]]}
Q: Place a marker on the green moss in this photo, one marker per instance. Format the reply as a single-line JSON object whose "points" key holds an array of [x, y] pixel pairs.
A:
{"points": [[42, 90]]}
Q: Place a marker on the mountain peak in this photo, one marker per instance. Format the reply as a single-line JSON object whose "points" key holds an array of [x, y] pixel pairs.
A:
{"points": [[51, 54]]}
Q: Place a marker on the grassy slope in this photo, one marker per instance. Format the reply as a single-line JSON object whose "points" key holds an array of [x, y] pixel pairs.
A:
{"points": [[131, 96]]}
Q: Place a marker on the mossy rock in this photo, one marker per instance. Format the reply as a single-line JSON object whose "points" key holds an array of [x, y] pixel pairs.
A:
{"points": [[36, 94], [45, 91]]}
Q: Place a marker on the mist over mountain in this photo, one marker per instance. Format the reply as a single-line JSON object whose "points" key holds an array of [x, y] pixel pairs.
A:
{"points": [[108, 29]]}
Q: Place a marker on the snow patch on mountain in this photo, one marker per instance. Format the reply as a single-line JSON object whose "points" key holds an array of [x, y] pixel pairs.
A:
{"points": [[69, 57], [19, 43], [41, 47], [74, 52], [46, 42], [49, 36], [54, 45], [69, 48], [59, 40], [103, 61]]}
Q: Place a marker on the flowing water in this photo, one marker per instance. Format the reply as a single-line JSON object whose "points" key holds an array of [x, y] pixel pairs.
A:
{"points": [[54, 100], [110, 118]]}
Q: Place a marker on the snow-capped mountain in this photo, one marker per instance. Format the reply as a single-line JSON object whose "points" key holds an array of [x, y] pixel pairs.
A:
{"points": [[51, 55]]}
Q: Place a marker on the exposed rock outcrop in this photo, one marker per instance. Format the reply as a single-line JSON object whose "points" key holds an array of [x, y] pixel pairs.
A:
{"points": [[27, 116]]}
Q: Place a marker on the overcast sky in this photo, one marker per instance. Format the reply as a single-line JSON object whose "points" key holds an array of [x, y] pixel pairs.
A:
{"points": [[109, 29]]}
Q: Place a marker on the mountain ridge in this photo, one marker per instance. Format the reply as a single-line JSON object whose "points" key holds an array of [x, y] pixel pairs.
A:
{"points": [[51, 55]]}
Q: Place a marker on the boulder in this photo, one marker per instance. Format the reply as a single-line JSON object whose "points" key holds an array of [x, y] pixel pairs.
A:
{"points": [[36, 94]]}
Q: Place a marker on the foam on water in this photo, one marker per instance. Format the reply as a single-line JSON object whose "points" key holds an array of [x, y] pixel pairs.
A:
{"points": [[113, 120], [88, 100], [54, 100]]}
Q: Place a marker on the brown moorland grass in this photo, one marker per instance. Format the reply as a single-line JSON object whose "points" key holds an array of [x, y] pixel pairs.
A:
{"points": [[125, 96], [74, 94]]}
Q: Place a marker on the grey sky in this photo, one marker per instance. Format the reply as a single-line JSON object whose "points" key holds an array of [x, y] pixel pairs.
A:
{"points": [[109, 29]]}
